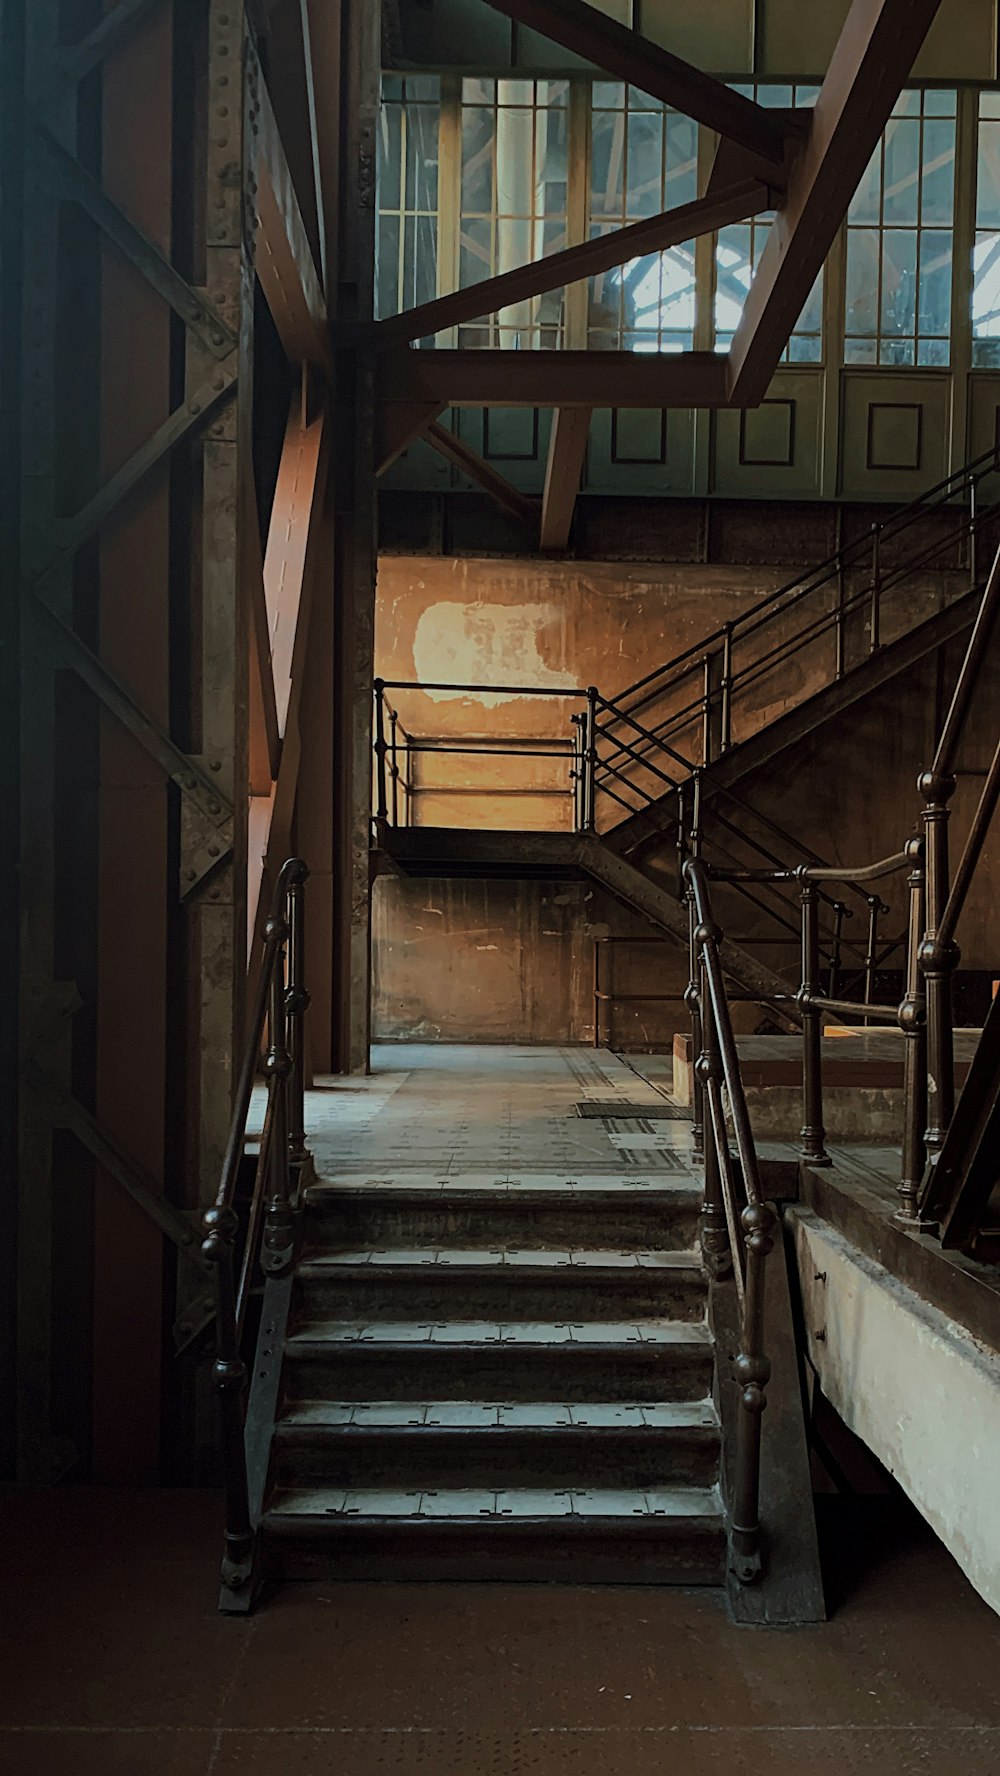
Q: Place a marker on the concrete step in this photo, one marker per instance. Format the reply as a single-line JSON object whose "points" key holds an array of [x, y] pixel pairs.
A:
{"points": [[498, 1360], [417, 1445], [638, 1214], [480, 1283], [600, 1535]]}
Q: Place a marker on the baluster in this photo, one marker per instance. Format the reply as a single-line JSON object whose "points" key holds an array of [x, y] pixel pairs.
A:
{"points": [[874, 908], [297, 1003], [838, 932], [229, 1380], [841, 644], [973, 540], [576, 772], [590, 763], [938, 960], [693, 1003], [876, 589], [726, 736], [681, 838], [381, 804], [394, 766], [279, 1223], [813, 1134], [753, 1372], [913, 1023]]}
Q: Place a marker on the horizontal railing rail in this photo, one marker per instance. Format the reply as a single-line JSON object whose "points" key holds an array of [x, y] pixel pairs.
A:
{"points": [[278, 1009]]}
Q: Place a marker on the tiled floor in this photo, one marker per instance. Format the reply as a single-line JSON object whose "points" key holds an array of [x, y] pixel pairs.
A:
{"points": [[466, 1113], [113, 1662]]}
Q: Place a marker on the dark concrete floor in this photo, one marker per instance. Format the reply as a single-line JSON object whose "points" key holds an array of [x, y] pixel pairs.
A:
{"points": [[113, 1662]]}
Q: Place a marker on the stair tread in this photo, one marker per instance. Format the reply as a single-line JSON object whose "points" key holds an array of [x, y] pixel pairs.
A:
{"points": [[487, 1332], [499, 1415], [488, 1257], [465, 1504], [670, 1185]]}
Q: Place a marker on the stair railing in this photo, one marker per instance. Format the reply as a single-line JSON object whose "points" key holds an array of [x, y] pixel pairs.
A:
{"points": [[268, 1226], [737, 1223], [710, 660]]}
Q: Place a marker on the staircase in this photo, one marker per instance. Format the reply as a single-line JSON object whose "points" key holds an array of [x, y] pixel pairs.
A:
{"points": [[498, 1383]]}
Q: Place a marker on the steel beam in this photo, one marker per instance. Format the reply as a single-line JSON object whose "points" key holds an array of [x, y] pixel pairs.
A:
{"points": [[874, 54], [722, 206], [439, 379], [640, 62], [567, 450], [285, 267], [457, 451]]}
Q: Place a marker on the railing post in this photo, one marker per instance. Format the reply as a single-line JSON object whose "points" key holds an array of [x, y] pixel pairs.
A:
{"points": [[590, 763], [597, 992], [381, 803], [714, 1230], [913, 1023], [279, 1222], [394, 763], [681, 837], [296, 1005], [726, 724], [841, 641], [813, 1149], [753, 1372], [973, 539], [876, 590], [576, 771], [229, 1380], [938, 960]]}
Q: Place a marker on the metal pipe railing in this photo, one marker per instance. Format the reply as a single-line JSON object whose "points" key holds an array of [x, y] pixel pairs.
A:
{"points": [[747, 1221], [279, 1006]]}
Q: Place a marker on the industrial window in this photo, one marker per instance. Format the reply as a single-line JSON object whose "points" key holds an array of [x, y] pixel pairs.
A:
{"points": [[644, 159], [986, 250], [739, 247], [899, 239], [406, 254], [513, 200]]}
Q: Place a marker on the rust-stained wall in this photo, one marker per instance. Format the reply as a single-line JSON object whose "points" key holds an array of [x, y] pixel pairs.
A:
{"points": [[502, 961]]}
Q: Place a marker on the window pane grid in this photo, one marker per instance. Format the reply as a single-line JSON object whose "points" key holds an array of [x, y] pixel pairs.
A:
{"points": [[407, 174], [513, 201], [900, 239], [738, 251], [986, 246], [643, 160]]}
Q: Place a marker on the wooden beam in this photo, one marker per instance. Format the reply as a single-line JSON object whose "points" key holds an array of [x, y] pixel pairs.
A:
{"points": [[720, 207], [284, 260], [440, 379], [874, 54], [265, 737], [519, 504], [289, 539], [567, 449], [640, 62]]}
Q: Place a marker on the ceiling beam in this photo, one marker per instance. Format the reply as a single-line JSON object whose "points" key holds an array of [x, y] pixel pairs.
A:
{"points": [[719, 208], [567, 449], [874, 54], [546, 379], [640, 62], [284, 260], [398, 422], [510, 498], [321, 33]]}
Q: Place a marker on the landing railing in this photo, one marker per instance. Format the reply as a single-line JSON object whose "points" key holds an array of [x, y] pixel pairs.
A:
{"points": [[251, 1241], [737, 1223]]}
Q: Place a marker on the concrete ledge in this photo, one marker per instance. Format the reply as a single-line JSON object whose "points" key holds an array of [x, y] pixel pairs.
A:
{"points": [[918, 1389]]}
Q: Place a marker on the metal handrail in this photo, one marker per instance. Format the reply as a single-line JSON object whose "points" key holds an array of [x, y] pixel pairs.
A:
{"points": [[279, 1007], [737, 1223]]}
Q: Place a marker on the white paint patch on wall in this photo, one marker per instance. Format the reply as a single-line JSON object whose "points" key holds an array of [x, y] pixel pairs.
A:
{"points": [[482, 644], [912, 1384]]}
